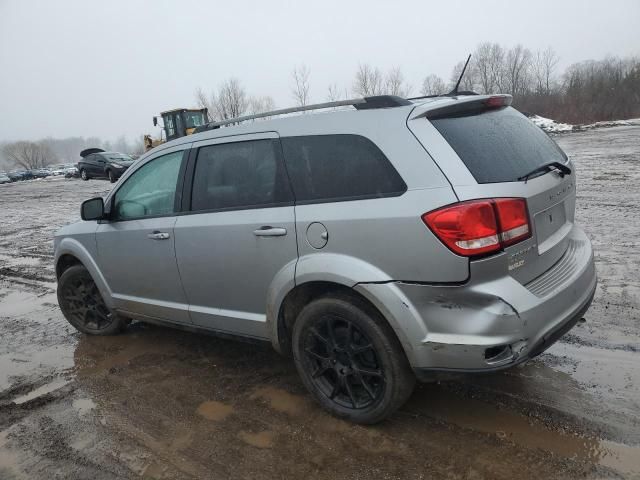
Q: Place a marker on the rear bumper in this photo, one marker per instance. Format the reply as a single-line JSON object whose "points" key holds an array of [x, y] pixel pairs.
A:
{"points": [[491, 324]]}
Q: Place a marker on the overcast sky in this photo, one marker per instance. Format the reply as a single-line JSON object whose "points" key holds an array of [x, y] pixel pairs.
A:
{"points": [[104, 68]]}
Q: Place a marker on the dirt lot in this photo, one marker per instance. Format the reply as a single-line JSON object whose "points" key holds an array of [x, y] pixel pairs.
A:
{"points": [[159, 403]]}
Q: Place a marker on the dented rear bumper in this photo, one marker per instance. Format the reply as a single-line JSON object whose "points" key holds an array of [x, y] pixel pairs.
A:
{"points": [[491, 324]]}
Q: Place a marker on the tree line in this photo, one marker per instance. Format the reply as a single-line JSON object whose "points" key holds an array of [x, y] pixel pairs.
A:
{"points": [[29, 155], [585, 92]]}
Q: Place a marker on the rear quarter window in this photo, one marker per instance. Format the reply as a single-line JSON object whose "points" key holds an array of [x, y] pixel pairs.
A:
{"points": [[338, 168], [498, 145]]}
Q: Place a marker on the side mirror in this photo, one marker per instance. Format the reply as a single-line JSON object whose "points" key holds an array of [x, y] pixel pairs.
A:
{"points": [[92, 209], [155, 121]]}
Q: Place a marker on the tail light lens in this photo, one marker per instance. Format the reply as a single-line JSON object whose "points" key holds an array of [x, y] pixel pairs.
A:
{"points": [[480, 226]]}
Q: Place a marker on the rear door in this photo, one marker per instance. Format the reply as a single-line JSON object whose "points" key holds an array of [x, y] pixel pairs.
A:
{"points": [[237, 237], [483, 153]]}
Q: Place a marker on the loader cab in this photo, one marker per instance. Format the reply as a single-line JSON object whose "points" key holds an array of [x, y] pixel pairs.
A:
{"points": [[181, 122]]}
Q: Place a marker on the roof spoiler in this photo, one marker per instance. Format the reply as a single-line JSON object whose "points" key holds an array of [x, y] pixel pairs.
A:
{"points": [[89, 151], [467, 105]]}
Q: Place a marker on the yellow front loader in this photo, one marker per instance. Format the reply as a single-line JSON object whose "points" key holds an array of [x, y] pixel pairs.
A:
{"points": [[175, 124]]}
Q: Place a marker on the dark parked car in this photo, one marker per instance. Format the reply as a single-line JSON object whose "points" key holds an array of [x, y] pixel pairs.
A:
{"points": [[20, 175], [96, 163]]}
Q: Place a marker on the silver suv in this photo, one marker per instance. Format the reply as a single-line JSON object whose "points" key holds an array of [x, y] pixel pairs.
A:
{"points": [[373, 244]]}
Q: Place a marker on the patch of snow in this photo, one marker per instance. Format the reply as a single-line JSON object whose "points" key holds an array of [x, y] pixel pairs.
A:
{"points": [[551, 126]]}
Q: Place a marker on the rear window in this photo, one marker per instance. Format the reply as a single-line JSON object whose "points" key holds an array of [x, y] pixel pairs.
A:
{"points": [[339, 167], [498, 145]]}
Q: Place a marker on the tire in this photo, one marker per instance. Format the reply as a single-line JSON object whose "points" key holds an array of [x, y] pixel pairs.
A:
{"points": [[350, 359], [112, 177], [84, 307], [84, 175]]}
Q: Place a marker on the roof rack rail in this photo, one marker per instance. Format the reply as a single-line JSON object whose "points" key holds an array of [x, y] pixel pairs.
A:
{"points": [[366, 103]]}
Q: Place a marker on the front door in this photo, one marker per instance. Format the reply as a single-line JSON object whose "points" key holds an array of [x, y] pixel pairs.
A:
{"points": [[238, 239], [136, 247]]}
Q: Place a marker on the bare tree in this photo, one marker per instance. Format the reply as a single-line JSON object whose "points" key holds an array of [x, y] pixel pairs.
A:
{"points": [[433, 85], [300, 89], [231, 100], [488, 61], [517, 69], [544, 66], [333, 93], [261, 105], [208, 102], [29, 155], [469, 80], [394, 83], [368, 81]]}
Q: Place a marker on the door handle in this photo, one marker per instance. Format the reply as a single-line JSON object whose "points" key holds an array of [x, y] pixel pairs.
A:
{"points": [[158, 235], [268, 231]]}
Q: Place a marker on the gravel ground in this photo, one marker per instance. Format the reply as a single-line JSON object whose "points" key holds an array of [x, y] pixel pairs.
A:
{"points": [[166, 404]]}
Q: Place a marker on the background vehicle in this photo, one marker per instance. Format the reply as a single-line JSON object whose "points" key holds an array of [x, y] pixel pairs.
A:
{"points": [[71, 171], [376, 245], [96, 163], [40, 173], [4, 178], [176, 123], [20, 175]]}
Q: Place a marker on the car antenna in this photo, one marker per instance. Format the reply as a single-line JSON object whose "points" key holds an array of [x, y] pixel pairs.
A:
{"points": [[454, 92]]}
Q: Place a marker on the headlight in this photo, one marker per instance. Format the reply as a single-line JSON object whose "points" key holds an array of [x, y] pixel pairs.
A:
{"points": [[117, 165]]}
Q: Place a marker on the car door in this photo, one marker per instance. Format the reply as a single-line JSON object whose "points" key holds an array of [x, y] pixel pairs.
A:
{"points": [[238, 238], [98, 165], [136, 248]]}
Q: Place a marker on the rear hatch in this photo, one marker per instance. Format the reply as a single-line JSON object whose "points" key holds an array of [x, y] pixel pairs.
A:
{"points": [[486, 148]]}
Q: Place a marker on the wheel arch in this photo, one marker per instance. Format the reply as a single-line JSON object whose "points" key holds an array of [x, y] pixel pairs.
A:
{"points": [[70, 252], [302, 294]]}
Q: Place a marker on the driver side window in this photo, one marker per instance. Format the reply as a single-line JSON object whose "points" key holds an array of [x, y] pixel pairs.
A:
{"points": [[150, 191]]}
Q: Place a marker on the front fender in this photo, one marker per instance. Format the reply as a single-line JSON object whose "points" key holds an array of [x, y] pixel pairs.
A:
{"points": [[71, 246]]}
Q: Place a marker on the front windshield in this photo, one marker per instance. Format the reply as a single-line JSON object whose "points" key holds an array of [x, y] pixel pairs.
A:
{"points": [[115, 157], [194, 119]]}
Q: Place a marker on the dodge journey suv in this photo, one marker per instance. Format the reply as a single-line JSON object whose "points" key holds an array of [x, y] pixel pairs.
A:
{"points": [[374, 244]]}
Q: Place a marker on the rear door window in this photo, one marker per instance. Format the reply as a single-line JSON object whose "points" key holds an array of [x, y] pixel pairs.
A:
{"points": [[239, 175], [339, 167], [498, 145]]}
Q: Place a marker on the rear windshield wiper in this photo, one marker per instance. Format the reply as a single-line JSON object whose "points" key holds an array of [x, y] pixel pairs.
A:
{"points": [[564, 170]]}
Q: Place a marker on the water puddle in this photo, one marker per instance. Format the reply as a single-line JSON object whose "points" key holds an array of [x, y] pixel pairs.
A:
{"points": [[281, 400], [258, 440], [83, 405], [17, 303], [510, 426], [40, 391], [24, 363], [9, 460], [213, 410]]}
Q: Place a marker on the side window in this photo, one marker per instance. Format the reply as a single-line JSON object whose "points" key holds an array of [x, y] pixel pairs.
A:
{"points": [[240, 174], [339, 167], [150, 190], [169, 125]]}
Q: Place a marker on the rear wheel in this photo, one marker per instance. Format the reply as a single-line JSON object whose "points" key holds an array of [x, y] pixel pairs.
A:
{"points": [[83, 174], [83, 306], [350, 360]]}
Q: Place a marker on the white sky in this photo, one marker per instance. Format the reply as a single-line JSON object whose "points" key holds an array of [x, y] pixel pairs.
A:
{"points": [[104, 68]]}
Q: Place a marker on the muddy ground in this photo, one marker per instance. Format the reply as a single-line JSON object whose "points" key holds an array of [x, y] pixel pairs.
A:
{"points": [[160, 403]]}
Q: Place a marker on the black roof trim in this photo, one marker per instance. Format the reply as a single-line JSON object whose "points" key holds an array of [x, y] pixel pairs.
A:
{"points": [[382, 101]]}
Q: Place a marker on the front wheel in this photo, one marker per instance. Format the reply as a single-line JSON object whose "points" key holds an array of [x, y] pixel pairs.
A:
{"points": [[83, 174], [350, 359], [83, 305]]}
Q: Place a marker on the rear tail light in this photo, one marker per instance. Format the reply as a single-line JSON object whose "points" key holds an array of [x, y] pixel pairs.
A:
{"points": [[479, 227]]}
